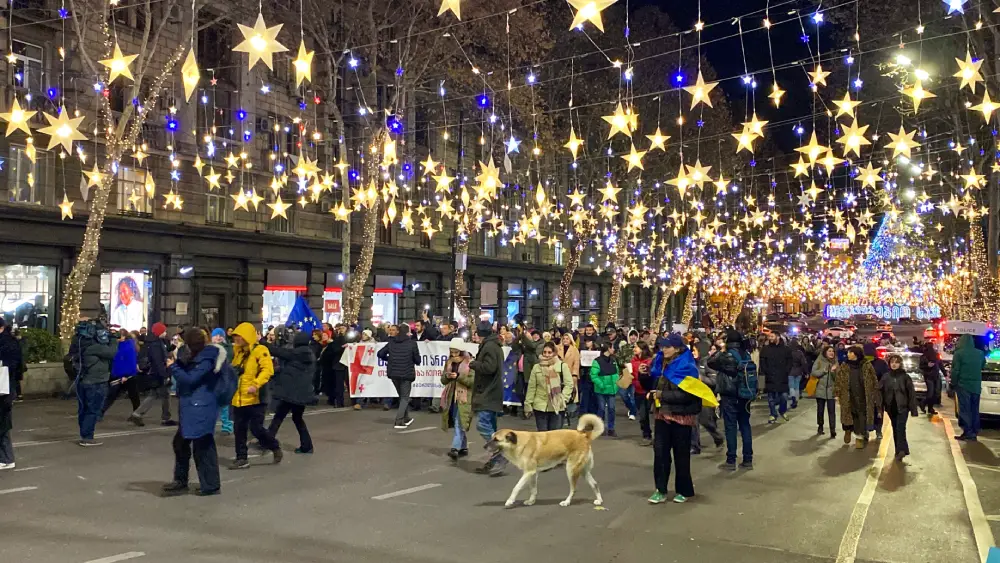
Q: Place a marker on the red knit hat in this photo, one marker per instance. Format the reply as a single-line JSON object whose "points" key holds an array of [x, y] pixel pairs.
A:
{"points": [[158, 329]]}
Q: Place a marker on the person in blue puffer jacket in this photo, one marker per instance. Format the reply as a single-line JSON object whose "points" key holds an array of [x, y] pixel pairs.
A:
{"points": [[124, 369], [197, 373]]}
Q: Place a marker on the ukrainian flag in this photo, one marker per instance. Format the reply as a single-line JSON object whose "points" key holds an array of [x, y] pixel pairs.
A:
{"points": [[683, 372]]}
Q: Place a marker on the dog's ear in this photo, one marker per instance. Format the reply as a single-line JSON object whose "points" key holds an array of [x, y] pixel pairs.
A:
{"points": [[512, 437]]}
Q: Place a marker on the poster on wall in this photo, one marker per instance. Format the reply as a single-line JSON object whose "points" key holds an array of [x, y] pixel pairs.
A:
{"points": [[128, 300]]}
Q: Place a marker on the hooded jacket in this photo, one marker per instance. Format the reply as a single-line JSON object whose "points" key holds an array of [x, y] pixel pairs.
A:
{"points": [[402, 356], [825, 371], [196, 379], [155, 350], [897, 387], [776, 365], [293, 383], [967, 366], [96, 362], [487, 388], [126, 360], [604, 373], [255, 361]]}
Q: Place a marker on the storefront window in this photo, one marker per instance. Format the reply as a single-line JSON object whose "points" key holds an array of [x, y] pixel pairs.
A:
{"points": [[383, 307], [27, 295], [333, 311], [125, 296], [278, 305]]}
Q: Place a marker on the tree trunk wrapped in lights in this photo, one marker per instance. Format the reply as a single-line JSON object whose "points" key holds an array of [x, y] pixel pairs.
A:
{"points": [[369, 232], [617, 279], [461, 289], [692, 295], [565, 285], [733, 307], [661, 310]]}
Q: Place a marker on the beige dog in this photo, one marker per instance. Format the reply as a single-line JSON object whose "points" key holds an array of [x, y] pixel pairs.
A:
{"points": [[532, 452]]}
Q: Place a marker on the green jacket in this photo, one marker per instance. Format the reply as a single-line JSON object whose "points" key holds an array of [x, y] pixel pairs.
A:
{"points": [[537, 395], [604, 384], [967, 366], [97, 362]]}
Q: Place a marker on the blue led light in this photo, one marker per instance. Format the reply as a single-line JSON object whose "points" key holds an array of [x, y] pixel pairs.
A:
{"points": [[241, 114]]}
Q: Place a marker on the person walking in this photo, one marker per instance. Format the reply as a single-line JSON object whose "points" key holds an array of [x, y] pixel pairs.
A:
{"points": [[732, 366], [197, 374], [527, 344], [930, 368], [776, 365], [642, 358], [707, 418], [824, 371], [487, 394], [676, 414], [124, 371], [157, 379], [856, 387], [456, 403], [585, 391], [292, 387], [219, 339], [92, 384], [12, 360], [967, 379], [402, 356], [798, 368], [570, 356], [550, 388], [253, 365], [604, 373], [334, 374], [899, 400]]}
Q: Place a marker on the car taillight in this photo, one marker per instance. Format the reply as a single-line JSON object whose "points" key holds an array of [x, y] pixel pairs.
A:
{"points": [[940, 333]]}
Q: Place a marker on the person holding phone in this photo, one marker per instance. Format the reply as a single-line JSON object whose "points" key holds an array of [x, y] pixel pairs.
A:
{"points": [[642, 358]]}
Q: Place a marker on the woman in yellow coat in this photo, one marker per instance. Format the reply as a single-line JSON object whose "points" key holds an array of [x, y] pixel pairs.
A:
{"points": [[254, 367]]}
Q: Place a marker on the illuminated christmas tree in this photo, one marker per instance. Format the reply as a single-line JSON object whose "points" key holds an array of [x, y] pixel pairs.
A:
{"points": [[979, 299]]}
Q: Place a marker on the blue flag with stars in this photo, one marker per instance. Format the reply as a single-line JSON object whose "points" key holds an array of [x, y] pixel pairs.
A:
{"points": [[302, 316]]}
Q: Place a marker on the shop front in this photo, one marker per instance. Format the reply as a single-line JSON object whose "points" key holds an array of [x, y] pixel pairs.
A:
{"points": [[28, 296], [385, 299], [515, 301], [489, 301], [127, 298], [281, 288], [333, 299]]}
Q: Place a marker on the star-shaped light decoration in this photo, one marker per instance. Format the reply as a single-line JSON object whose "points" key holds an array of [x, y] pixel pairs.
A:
{"points": [[987, 106], [776, 94], [814, 190], [278, 208], [813, 149], [574, 143], [488, 179], [917, 94], [609, 192], [240, 200], [212, 178], [443, 182], [846, 106], [830, 162], [94, 177], [259, 42], [17, 118], [801, 168], [66, 208], [619, 121], [902, 143], [699, 92], [682, 181], [955, 6], [818, 76], [513, 145], [634, 159], [453, 6], [658, 140], [744, 139], [869, 176], [973, 180], [303, 64], [62, 130], [699, 173], [589, 10], [118, 64], [190, 75], [756, 126], [854, 138], [968, 71]]}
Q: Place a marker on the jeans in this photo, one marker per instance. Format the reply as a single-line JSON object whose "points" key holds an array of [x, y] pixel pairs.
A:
{"points": [[778, 400], [206, 461], [794, 381], [968, 412], [162, 394], [642, 408], [282, 410], [606, 410], [628, 397], [130, 386], [933, 395], [459, 441], [588, 400], [708, 419], [337, 388], [403, 389], [545, 421], [486, 425], [672, 440], [6, 448], [90, 400], [227, 422], [736, 415], [831, 413], [898, 419], [251, 418]]}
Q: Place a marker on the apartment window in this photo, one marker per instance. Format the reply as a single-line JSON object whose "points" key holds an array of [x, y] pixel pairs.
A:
{"points": [[559, 253], [24, 182], [26, 70], [217, 208], [425, 241], [385, 234], [489, 245], [132, 197]]}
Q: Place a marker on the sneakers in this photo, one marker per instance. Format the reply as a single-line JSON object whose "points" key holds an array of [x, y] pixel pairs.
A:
{"points": [[631, 417], [357, 406], [680, 499], [611, 434], [90, 442], [772, 419], [278, 455], [213, 492], [464, 452], [301, 451], [728, 466], [4, 466], [878, 435], [833, 435], [403, 424], [784, 417], [499, 467], [820, 431], [169, 423], [240, 464], [646, 442], [175, 488], [385, 407], [794, 406], [453, 454], [136, 420], [747, 466], [657, 498], [966, 438]]}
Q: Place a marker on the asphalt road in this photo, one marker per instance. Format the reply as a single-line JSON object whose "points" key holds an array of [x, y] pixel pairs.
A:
{"points": [[371, 493]]}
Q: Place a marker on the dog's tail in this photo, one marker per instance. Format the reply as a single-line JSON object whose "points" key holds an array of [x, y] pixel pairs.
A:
{"points": [[591, 425]]}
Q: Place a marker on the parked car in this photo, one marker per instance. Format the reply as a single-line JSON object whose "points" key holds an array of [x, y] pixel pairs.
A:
{"points": [[884, 335], [884, 326], [837, 332]]}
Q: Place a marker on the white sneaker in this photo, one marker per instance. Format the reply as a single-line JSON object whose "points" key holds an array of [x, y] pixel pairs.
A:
{"points": [[631, 417], [6, 466]]}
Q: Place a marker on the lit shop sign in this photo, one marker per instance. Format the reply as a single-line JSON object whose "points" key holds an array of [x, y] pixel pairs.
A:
{"points": [[839, 244], [881, 311]]}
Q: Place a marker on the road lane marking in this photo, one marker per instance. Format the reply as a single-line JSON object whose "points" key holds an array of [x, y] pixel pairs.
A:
{"points": [[984, 467], [424, 429], [119, 557], [993, 517], [407, 491], [17, 490], [36, 443], [980, 526], [852, 535], [29, 468]]}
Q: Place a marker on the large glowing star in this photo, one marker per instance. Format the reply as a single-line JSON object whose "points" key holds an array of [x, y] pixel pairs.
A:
{"points": [[589, 10], [634, 159], [453, 6], [658, 140], [574, 143], [66, 208], [968, 71], [619, 121], [62, 130], [118, 64], [699, 92], [917, 94], [854, 139], [190, 75], [303, 64], [902, 143], [278, 208], [17, 118], [259, 42]]}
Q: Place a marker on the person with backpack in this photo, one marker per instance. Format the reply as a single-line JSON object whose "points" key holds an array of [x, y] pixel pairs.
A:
{"points": [[550, 388], [736, 383], [96, 350], [153, 364], [197, 373], [253, 365], [293, 387]]}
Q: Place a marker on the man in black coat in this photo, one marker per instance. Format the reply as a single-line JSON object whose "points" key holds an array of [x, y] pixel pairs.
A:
{"points": [[10, 357], [402, 357], [776, 365], [487, 392], [292, 386], [333, 373]]}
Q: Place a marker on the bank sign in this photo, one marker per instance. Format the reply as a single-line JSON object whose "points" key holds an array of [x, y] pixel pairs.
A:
{"points": [[881, 311]]}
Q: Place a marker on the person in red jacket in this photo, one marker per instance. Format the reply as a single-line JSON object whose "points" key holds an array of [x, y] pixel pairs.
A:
{"points": [[642, 357]]}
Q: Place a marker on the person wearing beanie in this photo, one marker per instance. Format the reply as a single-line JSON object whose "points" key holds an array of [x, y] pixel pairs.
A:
{"points": [[153, 367], [487, 393], [219, 338], [729, 362]]}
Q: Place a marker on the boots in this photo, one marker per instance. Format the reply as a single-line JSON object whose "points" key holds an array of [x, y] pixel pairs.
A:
{"points": [[859, 444], [820, 431], [847, 436]]}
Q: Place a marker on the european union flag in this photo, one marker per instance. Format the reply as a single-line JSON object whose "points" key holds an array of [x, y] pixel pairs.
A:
{"points": [[302, 316]]}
